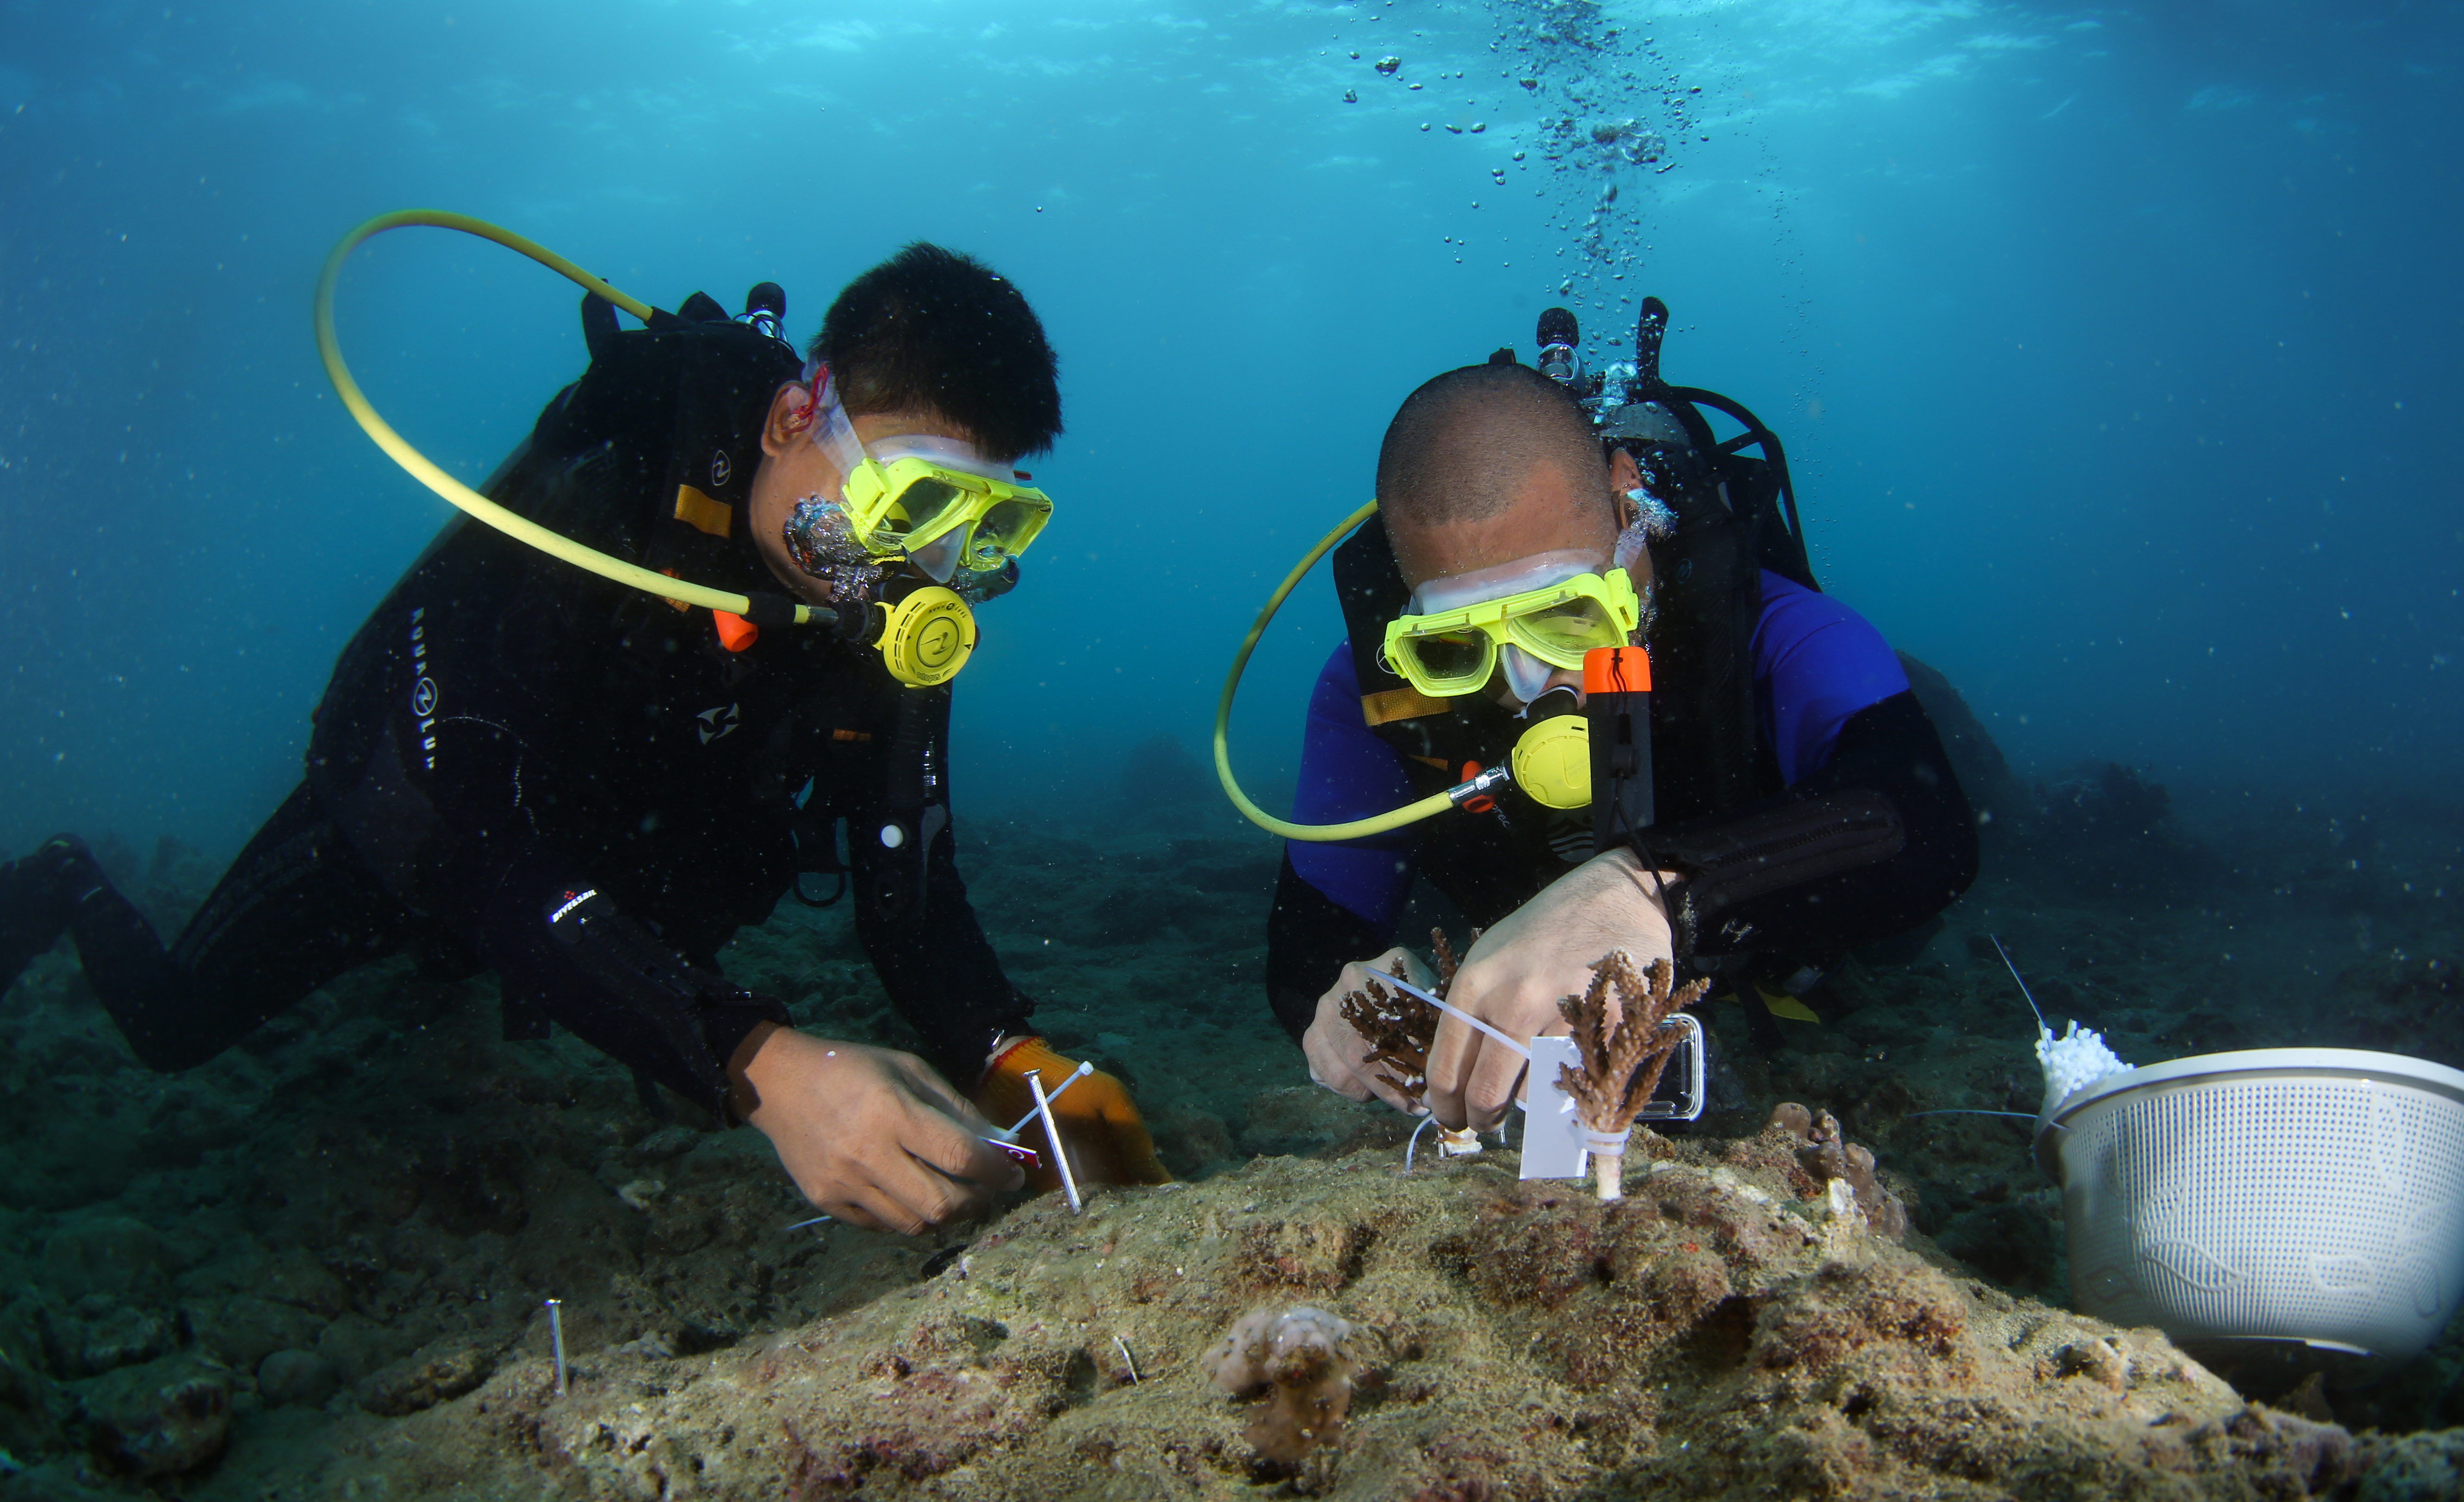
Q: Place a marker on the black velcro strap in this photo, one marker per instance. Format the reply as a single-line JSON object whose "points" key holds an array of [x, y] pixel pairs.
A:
{"points": [[769, 610]]}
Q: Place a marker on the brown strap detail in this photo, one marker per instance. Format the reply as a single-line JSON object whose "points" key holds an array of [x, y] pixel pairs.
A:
{"points": [[702, 514], [1406, 703], [1438, 762], [850, 735], [670, 601]]}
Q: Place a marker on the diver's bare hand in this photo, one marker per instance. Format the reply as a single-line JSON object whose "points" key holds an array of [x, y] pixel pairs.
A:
{"points": [[1515, 974], [1339, 1056], [874, 1137]]}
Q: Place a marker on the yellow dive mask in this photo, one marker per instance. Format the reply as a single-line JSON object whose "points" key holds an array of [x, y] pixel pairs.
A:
{"points": [[1444, 652], [1463, 638], [932, 501]]}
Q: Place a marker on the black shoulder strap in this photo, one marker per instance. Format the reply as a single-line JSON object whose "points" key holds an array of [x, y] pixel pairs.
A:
{"points": [[1761, 489], [914, 803], [1754, 487], [1370, 590], [1707, 752], [651, 455]]}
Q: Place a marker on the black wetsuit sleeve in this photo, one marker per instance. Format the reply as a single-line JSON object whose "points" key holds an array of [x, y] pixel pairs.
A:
{"points": [[1310, 939], [565, 954], [933, 958], [1873, 842], [448, 732]]}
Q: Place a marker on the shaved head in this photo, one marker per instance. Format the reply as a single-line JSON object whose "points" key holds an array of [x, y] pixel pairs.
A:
{"points": [[1461, 445], [1488, 464]]}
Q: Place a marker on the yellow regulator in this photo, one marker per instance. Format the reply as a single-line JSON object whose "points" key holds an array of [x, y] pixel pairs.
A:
{"points": [[927, 637]]}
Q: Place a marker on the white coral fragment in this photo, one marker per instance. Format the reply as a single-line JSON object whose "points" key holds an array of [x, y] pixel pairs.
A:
{"points": [[2074, 1061]]}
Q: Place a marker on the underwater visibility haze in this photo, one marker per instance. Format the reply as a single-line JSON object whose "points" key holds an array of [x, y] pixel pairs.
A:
{"points": [[2114, 350]]}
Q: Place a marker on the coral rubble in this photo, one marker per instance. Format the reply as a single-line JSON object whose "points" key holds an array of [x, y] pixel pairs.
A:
{"points": [[1823, 1151]]}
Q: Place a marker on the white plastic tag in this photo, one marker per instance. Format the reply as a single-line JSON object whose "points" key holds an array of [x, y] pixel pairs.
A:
{"points": [[1553, 1146]]}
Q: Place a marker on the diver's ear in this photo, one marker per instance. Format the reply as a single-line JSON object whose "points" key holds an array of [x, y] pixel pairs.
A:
{"points": [[1624, 475], [791, 415]]}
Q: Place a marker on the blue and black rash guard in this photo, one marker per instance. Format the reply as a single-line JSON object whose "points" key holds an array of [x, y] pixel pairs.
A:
{"points": [[1870, 837]]}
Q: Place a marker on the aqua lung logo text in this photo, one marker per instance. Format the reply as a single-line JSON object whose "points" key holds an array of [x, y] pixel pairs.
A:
{"points": [[423, 689]]}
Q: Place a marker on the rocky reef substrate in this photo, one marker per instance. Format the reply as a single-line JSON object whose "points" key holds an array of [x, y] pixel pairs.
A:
{"points": [[1713, 1335], [316, 1266]]}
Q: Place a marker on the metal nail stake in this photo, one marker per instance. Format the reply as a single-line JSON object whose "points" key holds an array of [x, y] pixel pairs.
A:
{"points": [[1052, 1135], [1060, 1090], [555, 1334]]}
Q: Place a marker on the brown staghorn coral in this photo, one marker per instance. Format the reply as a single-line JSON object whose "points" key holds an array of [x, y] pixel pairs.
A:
{"points": [[1399, 1028], [1828, 1156], [1398, 1031], [1620, 1026]]}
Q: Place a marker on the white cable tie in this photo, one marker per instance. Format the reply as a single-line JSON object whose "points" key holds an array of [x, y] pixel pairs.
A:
{"points": [[1455, 1012], [1606, 1142]]}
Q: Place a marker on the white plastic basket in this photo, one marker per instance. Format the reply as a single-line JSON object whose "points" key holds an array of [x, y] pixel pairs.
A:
{"points": [[2299, 1207]]}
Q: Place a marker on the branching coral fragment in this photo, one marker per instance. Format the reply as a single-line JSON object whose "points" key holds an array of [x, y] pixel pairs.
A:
{"points": [[1622, 1029], [1399, 1029]]}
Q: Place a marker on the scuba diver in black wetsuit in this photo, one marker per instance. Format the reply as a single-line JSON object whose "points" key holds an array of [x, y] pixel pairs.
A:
{"points": [[1793, 801], [588, 788]]}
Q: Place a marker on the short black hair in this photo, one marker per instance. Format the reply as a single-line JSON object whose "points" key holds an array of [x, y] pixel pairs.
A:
{"points": [[1459, 445], [936, 330]]}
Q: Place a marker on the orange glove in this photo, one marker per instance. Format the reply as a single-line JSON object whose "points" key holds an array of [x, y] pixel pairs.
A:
{"points": [[1100, 1125]]}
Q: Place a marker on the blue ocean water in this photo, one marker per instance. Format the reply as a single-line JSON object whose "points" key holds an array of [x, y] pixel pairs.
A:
{"points": [[2113, 345]]}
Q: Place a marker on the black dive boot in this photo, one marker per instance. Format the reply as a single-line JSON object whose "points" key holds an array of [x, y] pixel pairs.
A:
{"points": [[37, 897]]}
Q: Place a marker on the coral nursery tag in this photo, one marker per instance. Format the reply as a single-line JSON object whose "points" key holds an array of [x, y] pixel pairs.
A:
{"points": [[1552, 1134]]}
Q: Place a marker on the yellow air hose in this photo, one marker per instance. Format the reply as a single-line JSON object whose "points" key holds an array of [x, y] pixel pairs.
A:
{"points": [[1378, 824], [511, 523]]}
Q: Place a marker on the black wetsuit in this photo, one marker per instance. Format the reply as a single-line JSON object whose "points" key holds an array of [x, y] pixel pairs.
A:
{"points": [[521, 766]]}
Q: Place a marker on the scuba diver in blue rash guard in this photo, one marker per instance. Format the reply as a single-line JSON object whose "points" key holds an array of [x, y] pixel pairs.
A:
{"points": [[587, 787], [1802, 802]]}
